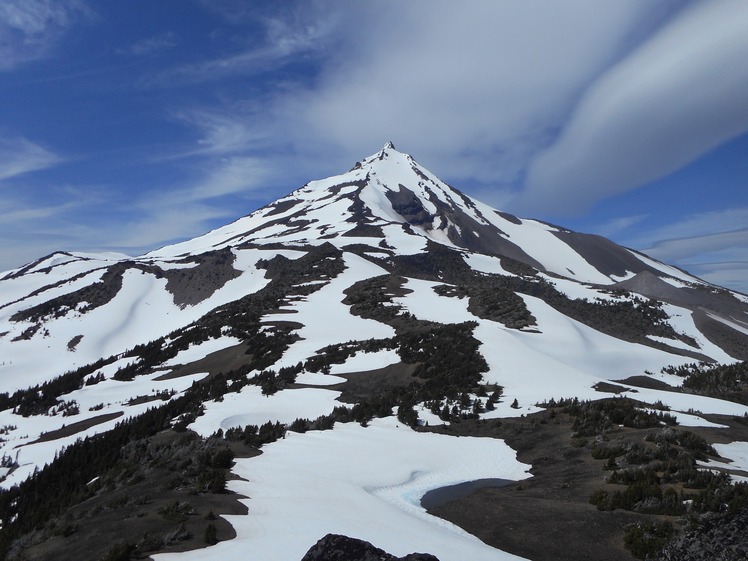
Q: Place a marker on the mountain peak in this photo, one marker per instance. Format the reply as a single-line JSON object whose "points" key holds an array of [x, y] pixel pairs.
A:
{"points": [[389, 201], [387, 151]]}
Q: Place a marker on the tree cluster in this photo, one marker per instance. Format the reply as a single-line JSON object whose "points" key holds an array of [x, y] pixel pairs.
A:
{"points": [[591, 418]]}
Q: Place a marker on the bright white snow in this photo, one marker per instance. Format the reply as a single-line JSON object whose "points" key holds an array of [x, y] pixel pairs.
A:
{"points": [[361, 482], [127, 320], [485, 263], [250, 407], [735, 452], [426, 304], [326, 320]]}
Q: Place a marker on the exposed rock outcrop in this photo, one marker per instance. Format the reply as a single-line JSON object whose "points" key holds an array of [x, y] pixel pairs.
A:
{"points": [[334, 547], [723, 539]]}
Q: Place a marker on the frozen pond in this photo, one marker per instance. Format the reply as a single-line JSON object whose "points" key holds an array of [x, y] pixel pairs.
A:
{"points": [[443, 495]]}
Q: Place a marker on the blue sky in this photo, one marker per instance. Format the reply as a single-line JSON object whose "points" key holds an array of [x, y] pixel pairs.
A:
{"points": [[128, 125]]}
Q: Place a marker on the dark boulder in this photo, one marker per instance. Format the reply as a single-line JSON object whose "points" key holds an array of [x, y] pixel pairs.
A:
{"points": [[721, 539], [334, 547]]}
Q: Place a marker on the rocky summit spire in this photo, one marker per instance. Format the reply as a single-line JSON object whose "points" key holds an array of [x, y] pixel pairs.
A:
{"points": [[387, 151]]}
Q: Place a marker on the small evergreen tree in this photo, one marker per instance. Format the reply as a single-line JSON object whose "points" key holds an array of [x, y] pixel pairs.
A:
{"points": [[211, 535]]}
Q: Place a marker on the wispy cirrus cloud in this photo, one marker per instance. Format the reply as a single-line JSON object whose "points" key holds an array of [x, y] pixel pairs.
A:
{"points": [[212, 70], [19, 156], [29, 28], [46, 228], [151, 45], [702, 224], [732, 244], [84, 218], [220, 132], [720, 258], [730, 274], [619, 224], [165, 226], [15, 213], [158, 219], [712, 245], [240, 174], [282, 41]]}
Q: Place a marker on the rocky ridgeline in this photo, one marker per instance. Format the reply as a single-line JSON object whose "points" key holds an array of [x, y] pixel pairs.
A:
{"points": [[723, 539]]}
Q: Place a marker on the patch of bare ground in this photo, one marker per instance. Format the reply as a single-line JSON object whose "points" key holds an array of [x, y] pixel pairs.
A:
{"points": [[225, 360], [361, 385], [737, 429], [211, 272], [649, 383], [548, 516], [607, 387], [75, 428]]}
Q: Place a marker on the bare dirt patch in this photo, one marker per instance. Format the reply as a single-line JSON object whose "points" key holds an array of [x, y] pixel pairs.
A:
{"points": [[360, 385], [225, 360], [211, 272], [75, 428], [649, 383], [547, 517]]}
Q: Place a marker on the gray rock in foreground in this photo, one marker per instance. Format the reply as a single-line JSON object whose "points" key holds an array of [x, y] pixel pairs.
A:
{"points": [[334, 547], [723, 539]]}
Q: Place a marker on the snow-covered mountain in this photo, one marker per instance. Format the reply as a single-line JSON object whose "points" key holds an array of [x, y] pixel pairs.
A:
{"points": [[344, 273]]}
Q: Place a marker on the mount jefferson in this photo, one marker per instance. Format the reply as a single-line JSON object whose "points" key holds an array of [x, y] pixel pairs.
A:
{"points": [[382, 292]]}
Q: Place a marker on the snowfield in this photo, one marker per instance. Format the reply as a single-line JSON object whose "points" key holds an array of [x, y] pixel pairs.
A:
{"points": [[250, 407], [307, 485], [127, 320], [736, 454]]}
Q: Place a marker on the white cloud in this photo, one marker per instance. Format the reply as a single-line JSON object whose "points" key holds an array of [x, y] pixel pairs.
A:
{"points": [[19, 156], [712, 245], [241, 174], [151, 45], [88, 223], [679, 95], [45, 229], [733, 243], [702, 224], [175, 214], [478, 87], [619, 224], [221, 132], [162, 227], [10, 215], [282, 41], [731, 274], [28, 28], [473, 90]]}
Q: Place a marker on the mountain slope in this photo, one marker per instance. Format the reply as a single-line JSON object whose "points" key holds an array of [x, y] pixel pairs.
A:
{"points": [[385, 206], [390, 196], [379, 288]]}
